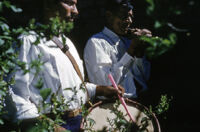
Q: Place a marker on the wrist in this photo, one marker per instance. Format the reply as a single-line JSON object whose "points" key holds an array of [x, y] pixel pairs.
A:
{"points": [[99, 90]]}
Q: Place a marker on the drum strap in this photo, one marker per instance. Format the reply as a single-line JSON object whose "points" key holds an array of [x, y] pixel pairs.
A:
{"points": [[65, 50]]}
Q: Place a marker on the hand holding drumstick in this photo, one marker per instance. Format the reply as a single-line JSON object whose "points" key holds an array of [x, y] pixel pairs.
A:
{"points": [[121, 98]]}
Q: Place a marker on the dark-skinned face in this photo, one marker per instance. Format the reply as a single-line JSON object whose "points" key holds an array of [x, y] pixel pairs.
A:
{"points": [[120, 22], [68, 9], [65, 9]]}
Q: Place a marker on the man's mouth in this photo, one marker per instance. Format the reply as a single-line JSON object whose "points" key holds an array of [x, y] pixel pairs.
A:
{"points": [[71, 18]]}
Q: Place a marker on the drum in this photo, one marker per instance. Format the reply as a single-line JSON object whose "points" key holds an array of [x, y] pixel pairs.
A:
{"points": [[102, 114]]}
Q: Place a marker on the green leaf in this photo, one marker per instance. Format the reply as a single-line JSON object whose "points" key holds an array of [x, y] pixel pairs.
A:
{"points": [[144, 119], [18, 30], [177, 12], [45, 93], [4, 27], [1, 122], [151, 6], [68, 89], [7, 3], [157, 24], [166, 41], [1, 42], [91, 121], [123, 121], [39, 84], [15, 9], [37, 128], [2, 19], [6, 37], [3, 83], [172, 38], [32, 24], [5, 69], [1, 5], [10, 51], [11, 64], [70, 26], [2, 93]]}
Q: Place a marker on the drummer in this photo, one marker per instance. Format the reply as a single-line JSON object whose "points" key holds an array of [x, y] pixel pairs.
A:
{"points": [[117, 50], [57, 73]]}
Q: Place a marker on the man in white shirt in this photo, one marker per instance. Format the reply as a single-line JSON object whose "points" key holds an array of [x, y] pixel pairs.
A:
{"points": [[57, 72], [118, 50]]}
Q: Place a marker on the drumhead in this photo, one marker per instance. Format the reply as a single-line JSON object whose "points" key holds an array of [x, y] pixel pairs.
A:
{"points": [[102, 111]]}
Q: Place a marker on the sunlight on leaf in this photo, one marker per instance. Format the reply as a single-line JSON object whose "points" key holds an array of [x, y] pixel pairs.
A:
{"points": [[15, 9], [45, 93]]}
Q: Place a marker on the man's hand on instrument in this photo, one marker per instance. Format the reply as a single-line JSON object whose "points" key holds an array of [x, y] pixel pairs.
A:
{"points": [[109, 91], [136, 32], [137, 47]]}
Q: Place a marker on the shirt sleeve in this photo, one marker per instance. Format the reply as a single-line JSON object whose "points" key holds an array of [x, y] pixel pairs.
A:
{"points": [[91, 90], [99, 63], [19, 93]]}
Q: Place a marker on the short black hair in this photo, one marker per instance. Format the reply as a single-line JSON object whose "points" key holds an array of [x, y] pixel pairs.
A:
{"points": [[114, 5]]}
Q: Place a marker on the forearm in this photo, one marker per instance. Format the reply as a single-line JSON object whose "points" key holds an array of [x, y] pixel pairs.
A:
{"points": [[99, 90]]}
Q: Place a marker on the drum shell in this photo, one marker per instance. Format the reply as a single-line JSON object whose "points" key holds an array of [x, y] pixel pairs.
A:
{"points": [[130, 103]]}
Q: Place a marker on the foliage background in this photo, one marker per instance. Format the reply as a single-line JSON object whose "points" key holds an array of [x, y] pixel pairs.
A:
{"points": [[173, 73]]}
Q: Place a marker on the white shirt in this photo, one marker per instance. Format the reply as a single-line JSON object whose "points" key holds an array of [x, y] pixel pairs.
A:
{"points": [[105, 53], [57, 73]]}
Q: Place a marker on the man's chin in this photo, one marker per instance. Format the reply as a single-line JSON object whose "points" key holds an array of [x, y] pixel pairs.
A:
{"points": [[70, 19]]}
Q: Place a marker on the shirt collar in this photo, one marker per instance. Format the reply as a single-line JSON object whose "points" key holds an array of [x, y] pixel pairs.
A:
{"points": [[113, 36]]}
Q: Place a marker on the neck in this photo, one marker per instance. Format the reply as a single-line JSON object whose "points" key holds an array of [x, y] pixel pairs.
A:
{"points": [[111, 28]]}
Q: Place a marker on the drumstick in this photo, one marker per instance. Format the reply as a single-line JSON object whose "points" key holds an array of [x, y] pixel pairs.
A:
{"points": [[120, 98]]}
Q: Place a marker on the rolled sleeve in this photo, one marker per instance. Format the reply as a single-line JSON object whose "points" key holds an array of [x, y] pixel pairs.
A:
{"points": [[20, 108], [91, 90]]}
